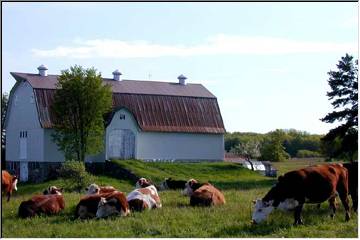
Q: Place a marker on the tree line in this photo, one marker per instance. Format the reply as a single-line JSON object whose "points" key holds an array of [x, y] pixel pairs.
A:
{"points": [[277, 145]]}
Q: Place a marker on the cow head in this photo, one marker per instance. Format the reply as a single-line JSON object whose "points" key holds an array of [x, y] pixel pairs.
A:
{"points": [[14, 182], [163, 185], [262, 209], [92, 189], [53, 190], [143, 182], [188, 190]]}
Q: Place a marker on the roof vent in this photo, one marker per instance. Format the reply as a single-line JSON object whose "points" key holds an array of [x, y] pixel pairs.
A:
{"points": [[42, 70], [116, 75], [182, 79]]}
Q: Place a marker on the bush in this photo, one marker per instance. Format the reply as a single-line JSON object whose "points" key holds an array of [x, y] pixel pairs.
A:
{"points": [[307, 154], [75, 176]]}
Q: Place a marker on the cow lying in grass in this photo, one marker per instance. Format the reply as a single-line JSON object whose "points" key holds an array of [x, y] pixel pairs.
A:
{"points": [[8, 183], [169, 183], [203, 194], [49, 204], [95, 189], [313, 184], [102, 205], [144, 197]]}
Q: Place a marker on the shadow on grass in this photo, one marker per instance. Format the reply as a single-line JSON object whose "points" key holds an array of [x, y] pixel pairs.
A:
{"points": [[244, 184]]}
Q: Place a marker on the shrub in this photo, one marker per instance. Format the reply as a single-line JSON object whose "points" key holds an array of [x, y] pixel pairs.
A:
{"points": [[75, 176], [307, 154]]}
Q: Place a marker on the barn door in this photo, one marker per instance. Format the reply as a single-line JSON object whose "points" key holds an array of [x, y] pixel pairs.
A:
{"points": [[24, 171], [121, 144]]}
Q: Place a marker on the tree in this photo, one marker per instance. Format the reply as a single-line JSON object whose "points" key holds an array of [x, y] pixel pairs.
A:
{"points": [[80, 102], [272, 148], [249, 149], [4, 106], [344, 98]]}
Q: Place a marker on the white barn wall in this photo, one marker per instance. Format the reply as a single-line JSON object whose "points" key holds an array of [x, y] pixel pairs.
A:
{"points": [[51, 152], [22, 116], [180, 146]]}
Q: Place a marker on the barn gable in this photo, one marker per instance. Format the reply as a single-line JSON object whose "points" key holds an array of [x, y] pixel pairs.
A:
{"points": [[156, 106]]}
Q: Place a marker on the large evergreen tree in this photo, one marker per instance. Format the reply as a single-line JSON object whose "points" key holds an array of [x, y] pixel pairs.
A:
{"points": [[344, 98], [80, 102]]}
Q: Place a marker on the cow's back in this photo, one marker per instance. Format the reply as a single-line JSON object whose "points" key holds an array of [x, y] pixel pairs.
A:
{"points": [[314, 183], [207, 195]]}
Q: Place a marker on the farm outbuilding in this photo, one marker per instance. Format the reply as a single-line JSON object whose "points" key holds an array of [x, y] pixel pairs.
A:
{"points": [[151, 120]]}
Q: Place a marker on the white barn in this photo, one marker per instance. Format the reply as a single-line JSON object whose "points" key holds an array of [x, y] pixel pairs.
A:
{"points": [[150, 121]]}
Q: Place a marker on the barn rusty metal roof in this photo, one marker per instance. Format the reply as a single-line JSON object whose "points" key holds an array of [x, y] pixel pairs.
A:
{"points": [[156, 106], [125, 86]]}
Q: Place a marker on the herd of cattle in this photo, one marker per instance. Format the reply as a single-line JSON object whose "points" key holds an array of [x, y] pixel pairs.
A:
{"points": [[314, 184]]}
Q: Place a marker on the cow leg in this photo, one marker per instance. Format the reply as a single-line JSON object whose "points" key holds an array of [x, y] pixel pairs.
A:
{"points": [[297, 214], [8, 194], [333, 206], [343, 194]]}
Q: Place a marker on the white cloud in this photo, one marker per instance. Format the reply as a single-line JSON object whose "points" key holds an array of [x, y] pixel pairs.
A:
{"points": [[217, 45]]}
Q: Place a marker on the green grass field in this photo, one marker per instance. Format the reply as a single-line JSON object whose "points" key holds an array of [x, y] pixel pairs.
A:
{"points": [[177, 218]]}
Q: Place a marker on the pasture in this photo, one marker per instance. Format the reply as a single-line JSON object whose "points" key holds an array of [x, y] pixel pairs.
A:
{"points": [[177, 218]]}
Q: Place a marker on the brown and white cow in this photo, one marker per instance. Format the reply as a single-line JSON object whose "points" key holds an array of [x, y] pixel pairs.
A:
{"points": [[314, 184], [42, 204], [95, 189], [144, 198], [8, 183], [203, 194], [102, 205]]}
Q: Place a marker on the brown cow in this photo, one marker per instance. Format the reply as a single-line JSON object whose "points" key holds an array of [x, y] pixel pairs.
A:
{"points": [[114, 204], [89, 205], [8, 183], [313, 184], [353, 183], [203, 194], [95, 189], [46, 204]]}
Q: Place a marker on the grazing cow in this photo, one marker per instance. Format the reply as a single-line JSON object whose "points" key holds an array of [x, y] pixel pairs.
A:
{"points": [[8, 183], [111, 203], [313, 184], [203, 194], [169, 183], [53, 190], [144, 198], [46, 204], [95, 189]]}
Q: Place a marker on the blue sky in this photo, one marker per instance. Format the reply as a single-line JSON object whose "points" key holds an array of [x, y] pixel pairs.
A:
{"points": [[267, 63]]}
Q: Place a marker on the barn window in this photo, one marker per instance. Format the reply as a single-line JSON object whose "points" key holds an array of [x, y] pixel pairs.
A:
{"points": [[122, 116]]}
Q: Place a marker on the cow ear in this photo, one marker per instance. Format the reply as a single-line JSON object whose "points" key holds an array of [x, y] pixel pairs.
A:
{"points": [[253, 201]]}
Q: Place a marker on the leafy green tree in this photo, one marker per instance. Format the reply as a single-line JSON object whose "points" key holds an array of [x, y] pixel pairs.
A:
{"points": [[80, 102], [272, 148], [4, 106], [344, 99]]}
